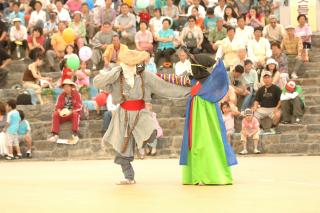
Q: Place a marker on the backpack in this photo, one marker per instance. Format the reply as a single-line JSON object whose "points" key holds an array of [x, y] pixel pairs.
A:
{"points": [[24, 98], [190, 40]]}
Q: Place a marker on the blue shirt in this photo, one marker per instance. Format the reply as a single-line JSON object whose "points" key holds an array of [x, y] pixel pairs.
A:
{"points": [[17, 15], [166, 34], [210, 23], [24, 127], [151, 66], [13, 119]]}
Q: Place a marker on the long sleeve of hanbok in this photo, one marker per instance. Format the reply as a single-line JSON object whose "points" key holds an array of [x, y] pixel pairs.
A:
{"points": [[105, 78]]}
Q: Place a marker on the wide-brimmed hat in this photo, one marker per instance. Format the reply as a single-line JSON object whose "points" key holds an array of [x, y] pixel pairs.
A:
{"points": [[291, 86], [271, 61], [132, 57], [289, 27], [77, 12], [68, 82], [16, 20]]}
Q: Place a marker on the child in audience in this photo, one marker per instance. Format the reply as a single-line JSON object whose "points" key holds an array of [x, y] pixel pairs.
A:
{"points": [[228, 118], [66, 73], [24, 133], [12, 127], [150, 65], [3, 136], [83, 75], [70, 50], [250, 129]]}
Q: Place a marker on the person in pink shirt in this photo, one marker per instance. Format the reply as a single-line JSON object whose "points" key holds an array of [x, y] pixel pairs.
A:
{"points": [[303, 30], [144, 38], [83, 75], [250, 129], [228, 118], [74, 5]]}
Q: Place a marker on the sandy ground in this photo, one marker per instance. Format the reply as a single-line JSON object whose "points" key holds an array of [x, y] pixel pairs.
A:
{"points": [[262, 184]]}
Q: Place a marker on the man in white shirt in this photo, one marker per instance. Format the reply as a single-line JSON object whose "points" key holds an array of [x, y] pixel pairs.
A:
{"points": [[219, 10], [228, 50], [201, 10], [63, 14], [244, 32], [259, 49], [274, 32], [183, 67], [18, 35], [38, 16]]}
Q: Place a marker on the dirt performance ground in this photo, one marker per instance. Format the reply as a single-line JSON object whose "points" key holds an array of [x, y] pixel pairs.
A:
{"points": [[261, 184]]}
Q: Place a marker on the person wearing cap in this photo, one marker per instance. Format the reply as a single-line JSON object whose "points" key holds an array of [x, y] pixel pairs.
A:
{"points": [[274, 32], [79, 28], [272, 66], [250, 129], [18, 36], [259, 49], [267, 102], [67, 108], [16, 13], [217, 35], [38, 16], [131, 124], [292, 103], [292, 46]]}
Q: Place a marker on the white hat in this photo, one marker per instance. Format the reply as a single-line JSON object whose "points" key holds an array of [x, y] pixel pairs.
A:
{"points": [[68, 82], [271, 61], [289, 27], [16, 20], [77, 12]]}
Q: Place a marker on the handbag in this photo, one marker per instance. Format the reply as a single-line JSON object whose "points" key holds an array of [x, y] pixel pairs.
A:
{"points": [[190, 40]]}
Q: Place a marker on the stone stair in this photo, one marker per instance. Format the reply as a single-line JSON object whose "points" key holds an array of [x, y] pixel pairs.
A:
{"points": [[299, 139]]}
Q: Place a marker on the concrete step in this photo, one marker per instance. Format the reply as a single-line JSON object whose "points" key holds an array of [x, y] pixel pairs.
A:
{"points": [[308, 81], [312, 99], [312, 73]]}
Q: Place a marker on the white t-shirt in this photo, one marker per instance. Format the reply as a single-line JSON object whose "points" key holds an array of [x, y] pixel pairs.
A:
{"points": [[218, 12], [64, 15], [183, 67], [212, 3], [156, 23], [35, 17]]}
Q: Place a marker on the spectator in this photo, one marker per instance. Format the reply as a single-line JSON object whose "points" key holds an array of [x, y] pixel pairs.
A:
{"points": [[171, 11], [292, 47], [244, 32], [303, 30], [267, 102], [18, 36], [5, 60], [231, 98], [183, 66], [106, 14], [272, 66], [24, 133], [210, 21], [237, 81], [219, 9], [230, 17], [228, 50], [151, 148], [3, 33], [32, 76], [16, 13], [144, 38], [66, 72], [251, 81], [87, 15], [234, 6], [83, 75], [73, 5], [201, 9], [63, 14], [250, 129], [79, 29], [244, 6], [191, 36], [36, 39], [38, 16], [100, 42], [150, 65], [259, 49], [3, 136], [264, 7], [165, 39], [282, 61], [292, 103], [254, 19], [217, 35], [58, 47], [156, 22], [228, 119], [199, 19], [12, 126], [68, 108], [111, 55], [274, 32], [125, 24], [50, 27]]}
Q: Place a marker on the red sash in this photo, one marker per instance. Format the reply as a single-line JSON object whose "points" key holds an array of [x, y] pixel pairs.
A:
{"points": [[133, 105]]}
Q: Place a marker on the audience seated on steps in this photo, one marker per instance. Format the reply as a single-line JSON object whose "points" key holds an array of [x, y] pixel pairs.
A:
{"points": [[183, 66]]}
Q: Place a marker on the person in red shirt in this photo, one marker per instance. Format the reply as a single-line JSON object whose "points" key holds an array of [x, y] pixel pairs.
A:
{"points": [[66, 73], [36, 39]]}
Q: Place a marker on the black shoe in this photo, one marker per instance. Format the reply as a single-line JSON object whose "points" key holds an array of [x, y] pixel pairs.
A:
{"points": [[28, 155]]}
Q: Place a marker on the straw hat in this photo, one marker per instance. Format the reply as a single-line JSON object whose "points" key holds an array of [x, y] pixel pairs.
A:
{"points": [[16, 20], [68, 82], [132, 57]]}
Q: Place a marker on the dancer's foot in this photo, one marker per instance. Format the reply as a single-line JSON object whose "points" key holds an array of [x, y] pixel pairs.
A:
{"points": [[126, 182]]}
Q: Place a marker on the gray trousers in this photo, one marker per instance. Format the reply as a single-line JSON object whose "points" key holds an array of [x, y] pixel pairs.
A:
{"points": [[294, 65], [51, 57], [294, 107], [96, 56], [125, 163]]}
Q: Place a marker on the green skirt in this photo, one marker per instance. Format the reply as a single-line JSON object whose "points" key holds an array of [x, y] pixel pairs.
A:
{"points": [[207, 163]]}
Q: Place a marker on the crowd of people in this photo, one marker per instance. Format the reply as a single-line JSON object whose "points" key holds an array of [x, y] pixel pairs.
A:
{"points": [[262, 56]]}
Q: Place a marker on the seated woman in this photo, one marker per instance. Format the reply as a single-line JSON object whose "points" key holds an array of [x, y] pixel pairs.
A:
{"points": [[254, 19], [272, 66], [144, 38], [230, 17], [192, 36], [36, 39]]}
